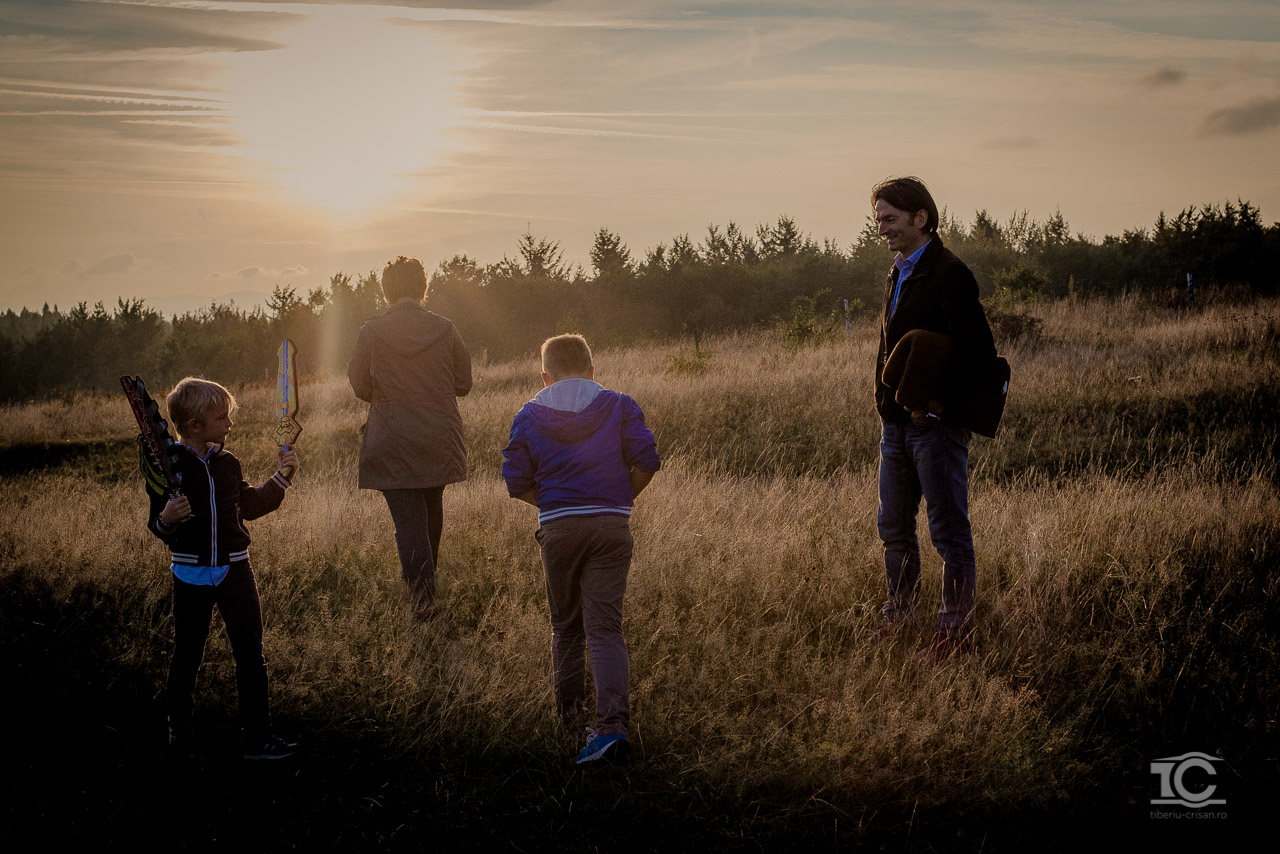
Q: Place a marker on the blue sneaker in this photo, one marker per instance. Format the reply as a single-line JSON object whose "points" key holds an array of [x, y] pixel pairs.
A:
{"points": [[612, 746], [270, 747]]}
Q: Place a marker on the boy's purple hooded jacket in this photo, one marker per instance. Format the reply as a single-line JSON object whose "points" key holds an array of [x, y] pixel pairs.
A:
{"points": [[576, 443]]}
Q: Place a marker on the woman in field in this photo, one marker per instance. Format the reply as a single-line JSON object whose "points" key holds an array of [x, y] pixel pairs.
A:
{"points": [[411, 366]]}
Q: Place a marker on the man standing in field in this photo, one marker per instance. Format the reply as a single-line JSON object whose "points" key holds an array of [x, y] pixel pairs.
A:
{"points": [[925, 452]]}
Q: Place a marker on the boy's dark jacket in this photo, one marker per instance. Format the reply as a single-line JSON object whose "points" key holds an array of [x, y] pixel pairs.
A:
{"points": [[940, 296], [221, 502]]}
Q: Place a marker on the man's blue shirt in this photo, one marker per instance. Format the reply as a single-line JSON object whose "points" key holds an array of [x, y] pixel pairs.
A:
{"points": [[905, 266]]}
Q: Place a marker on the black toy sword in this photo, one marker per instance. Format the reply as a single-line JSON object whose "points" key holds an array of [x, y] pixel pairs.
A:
{"points": [[155, 445]]}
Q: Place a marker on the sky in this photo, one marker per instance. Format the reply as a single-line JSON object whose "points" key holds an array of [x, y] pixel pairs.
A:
{"points": [[187, 152]]}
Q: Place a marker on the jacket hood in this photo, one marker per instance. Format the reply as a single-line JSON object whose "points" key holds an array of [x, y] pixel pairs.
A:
{"points": [[406, 328], [566, 425], [572, 395]]}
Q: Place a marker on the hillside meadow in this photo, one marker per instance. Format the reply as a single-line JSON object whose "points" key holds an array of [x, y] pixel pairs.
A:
{"points": [[1127, 525]]}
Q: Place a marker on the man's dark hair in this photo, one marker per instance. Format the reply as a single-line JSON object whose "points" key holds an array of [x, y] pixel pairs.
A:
{"points": [[908, 194]]}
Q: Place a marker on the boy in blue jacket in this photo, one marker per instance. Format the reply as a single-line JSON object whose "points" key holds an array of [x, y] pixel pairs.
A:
{"points": [[581, 453]]}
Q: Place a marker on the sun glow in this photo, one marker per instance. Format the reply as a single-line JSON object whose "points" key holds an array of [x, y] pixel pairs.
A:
{"points": [[350, 111]]}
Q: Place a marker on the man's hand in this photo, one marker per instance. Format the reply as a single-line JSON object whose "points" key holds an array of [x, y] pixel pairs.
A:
{"points": [[923, 418], [176, 510], [927, 417]]}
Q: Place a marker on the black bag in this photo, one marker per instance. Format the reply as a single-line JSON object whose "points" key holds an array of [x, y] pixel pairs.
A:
{"points": [[985, 408]]}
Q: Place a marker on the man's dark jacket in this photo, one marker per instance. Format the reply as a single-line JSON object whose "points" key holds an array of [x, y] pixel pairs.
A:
{"points": [[940, 296]]}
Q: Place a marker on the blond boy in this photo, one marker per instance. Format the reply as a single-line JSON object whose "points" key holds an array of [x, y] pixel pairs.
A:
{"points": [[581, 453], [204, 529]]}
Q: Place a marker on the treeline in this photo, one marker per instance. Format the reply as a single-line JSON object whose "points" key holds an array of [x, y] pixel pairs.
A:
{"points": [[49, 352], [728, 278]]}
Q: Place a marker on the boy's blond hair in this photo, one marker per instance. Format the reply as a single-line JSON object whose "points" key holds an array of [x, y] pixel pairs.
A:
{"points": [[193, 398], [404, 278], [566, 356]]}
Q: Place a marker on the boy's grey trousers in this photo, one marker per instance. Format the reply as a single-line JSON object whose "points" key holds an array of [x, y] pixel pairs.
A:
{"points": [[586, 559]]}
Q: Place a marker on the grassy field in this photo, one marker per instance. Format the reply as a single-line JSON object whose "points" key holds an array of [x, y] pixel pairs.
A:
{"points": [[1127, 525]]}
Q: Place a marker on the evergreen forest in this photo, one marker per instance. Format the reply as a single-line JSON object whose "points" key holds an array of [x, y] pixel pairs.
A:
{"points": [[729, 278]]}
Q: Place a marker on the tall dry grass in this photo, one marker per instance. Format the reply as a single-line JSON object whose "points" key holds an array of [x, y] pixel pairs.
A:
{"points": [[1127, 553]]}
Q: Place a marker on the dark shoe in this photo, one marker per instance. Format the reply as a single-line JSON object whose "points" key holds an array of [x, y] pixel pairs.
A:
{"points": [[941, 648], [181, 741], [269, 748], [888, 632]]}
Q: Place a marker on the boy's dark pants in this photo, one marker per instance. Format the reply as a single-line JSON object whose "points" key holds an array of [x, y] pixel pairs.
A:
{"points": [[586, 559], [418, 515], [237, 601]]}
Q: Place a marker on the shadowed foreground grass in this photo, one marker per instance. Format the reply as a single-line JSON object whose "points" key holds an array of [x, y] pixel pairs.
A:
{"points": [[1128, 604]]}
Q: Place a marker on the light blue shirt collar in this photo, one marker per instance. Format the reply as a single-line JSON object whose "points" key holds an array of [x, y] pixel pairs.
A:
{"points": [[907, 265]]}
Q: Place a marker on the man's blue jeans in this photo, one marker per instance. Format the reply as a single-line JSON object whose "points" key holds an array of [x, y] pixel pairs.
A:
{"points": [[930, 461]]}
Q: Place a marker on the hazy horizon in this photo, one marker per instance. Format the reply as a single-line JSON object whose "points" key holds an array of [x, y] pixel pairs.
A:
{"points": [[206, 151]]}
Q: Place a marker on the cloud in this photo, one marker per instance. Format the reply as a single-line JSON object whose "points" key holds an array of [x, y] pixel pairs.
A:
{"points": [[1062, 35], [391, 5], [255, 271], [127, 27], [198, 132], [1244, 67], [605, 132], [1010, 143], [1163, 77], [113, 95], [121, 262], [1257, 115]]}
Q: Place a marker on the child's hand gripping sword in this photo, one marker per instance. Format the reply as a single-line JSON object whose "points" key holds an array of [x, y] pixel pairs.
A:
{"points": [[155, 445], [288, 429]]}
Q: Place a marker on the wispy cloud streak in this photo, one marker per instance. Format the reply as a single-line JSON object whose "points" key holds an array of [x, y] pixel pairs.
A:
{"points": [[601, 132], [1256, 116], [1164, 77]]}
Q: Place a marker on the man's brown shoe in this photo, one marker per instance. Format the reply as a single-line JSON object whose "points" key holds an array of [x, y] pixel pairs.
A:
{"points": [[888, 632], [942, 647]]}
